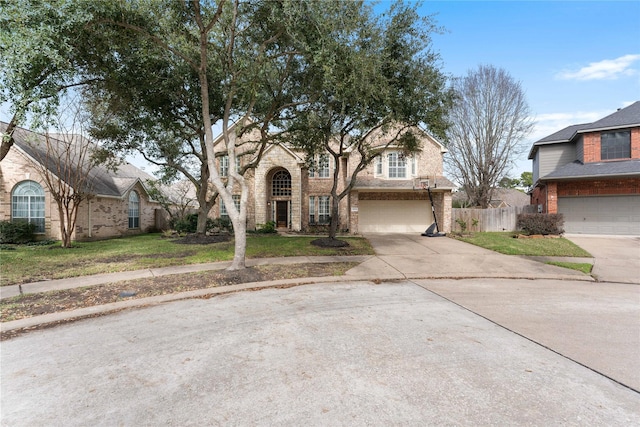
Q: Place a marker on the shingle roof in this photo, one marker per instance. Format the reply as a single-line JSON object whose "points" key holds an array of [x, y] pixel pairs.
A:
{"points": [[104, 182], [624, 117], [594, 170]]}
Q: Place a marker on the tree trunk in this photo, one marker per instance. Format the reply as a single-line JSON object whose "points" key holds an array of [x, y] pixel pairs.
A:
{"points": [[240, 249], [203, 215], [7, 138], [335, 217]]}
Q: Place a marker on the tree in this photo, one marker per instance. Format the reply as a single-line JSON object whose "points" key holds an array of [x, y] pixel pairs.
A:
{"points": [[507, 182], [235, 59], [526, 180], [371, 82], [177, 200], [65, 163], [489, 120], [38, 61]]}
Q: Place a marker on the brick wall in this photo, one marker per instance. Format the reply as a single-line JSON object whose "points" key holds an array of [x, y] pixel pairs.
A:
{"points": [[599, 187], [99, 218], [592, 147]]}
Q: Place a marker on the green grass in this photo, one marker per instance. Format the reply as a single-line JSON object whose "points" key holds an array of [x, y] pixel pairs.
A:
{"points": [[34, 263], [505, 243], [584, 267]]}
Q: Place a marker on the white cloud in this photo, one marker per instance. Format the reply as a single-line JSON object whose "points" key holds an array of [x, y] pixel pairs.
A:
{"points": [[606, 69]]}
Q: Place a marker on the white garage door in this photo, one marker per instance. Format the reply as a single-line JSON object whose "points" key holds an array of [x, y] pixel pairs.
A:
{"points": [[394, 216], [601, 215]]}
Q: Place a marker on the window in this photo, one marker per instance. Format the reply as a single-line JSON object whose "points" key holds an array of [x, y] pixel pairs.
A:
{"points": [[134, 210], [323, 166], [236, 203], [27, 204], [378, 171], [281, 185], [320, 165], [224, 166], [414, 162], [322, 215], [397, 165], [615, 145], [312, 210], [323, 210]]}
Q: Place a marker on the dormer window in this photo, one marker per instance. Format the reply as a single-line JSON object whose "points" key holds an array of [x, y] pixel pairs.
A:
{"points": [[615, 145]]}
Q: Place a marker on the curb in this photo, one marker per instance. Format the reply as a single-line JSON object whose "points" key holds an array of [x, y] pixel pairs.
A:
{"points": [[105, 309]]}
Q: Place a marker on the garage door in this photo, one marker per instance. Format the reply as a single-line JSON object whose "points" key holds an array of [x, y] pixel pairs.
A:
{"points": [[601, 215], [394, 216]]}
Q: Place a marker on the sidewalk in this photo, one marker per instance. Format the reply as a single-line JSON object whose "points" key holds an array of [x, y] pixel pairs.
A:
{"points": [[100, 279]]}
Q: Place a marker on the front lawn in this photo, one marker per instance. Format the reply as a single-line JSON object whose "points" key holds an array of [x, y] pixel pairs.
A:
{"points": [[505, 243], [33, 263]]}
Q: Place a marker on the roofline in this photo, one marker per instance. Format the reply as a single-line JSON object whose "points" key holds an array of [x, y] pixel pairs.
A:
{"points": [[568, 178], [632, 125]]}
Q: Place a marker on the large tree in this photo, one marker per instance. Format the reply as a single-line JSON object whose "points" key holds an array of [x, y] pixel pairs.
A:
{"points": [[39, 59], [371, 82], [238, 61], [489, 120]]}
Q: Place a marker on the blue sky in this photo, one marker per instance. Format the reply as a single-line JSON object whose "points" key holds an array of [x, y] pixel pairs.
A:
{"points": [[577, 61]]}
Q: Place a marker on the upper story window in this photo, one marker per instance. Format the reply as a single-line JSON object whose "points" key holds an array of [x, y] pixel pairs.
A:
{"points": [[224, 166], [615, 145], [397, 166], [320, 167], [27, 204]]}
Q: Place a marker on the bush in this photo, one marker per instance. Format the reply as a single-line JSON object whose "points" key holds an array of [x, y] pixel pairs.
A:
{"points": [[186, 224], [220, 224], [269, 227], [541, 223], [17, 232]]}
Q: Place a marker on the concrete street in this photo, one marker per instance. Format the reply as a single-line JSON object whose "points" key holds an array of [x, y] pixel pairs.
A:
{"points": [[386, 345]]}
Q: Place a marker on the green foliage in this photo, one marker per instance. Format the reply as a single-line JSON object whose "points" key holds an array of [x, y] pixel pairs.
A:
{"points": [[17, 232], [526, 179], [463, 225], [538, 223], [268, 228]]}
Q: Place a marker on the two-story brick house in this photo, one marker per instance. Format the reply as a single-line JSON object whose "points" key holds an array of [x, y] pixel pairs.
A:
{"points": [[386, 197], [120, 205], [591, 174]]}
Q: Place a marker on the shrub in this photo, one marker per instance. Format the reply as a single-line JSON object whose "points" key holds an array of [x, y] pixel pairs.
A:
{"points": [[221, 224], [538, 223], [269, 227], [186, 224], [17, 232]]}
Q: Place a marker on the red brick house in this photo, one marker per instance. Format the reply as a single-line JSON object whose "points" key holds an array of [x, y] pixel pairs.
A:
{"points": [[386, 197], [120, 204], [591, 174]]}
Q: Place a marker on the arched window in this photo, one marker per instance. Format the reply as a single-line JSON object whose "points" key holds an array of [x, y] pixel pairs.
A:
{"points": [[134, 210], [281, 184], [27, 204]]}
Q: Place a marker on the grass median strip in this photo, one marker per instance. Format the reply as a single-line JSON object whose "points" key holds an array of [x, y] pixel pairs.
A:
{"points": [[505, 243], [579, 266], [29, 305]]}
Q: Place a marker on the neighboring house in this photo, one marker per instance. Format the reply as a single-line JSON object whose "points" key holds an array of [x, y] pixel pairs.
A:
{"points": [[120, 204], [500, 198], [591, 174], [386, 197]]}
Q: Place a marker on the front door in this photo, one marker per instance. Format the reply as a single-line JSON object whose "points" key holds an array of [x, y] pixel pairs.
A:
{"points": [[282, 214]]}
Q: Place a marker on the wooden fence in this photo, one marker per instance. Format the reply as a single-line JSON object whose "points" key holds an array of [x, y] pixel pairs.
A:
{"points": [[495, 219]]}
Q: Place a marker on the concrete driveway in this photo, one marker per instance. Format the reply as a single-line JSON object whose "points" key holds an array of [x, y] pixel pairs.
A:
{"points": [[318, 355], [617, 258], [409, 256]]}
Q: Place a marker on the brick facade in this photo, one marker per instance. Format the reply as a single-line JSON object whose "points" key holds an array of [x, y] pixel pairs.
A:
{"points": [[99, 218]]}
